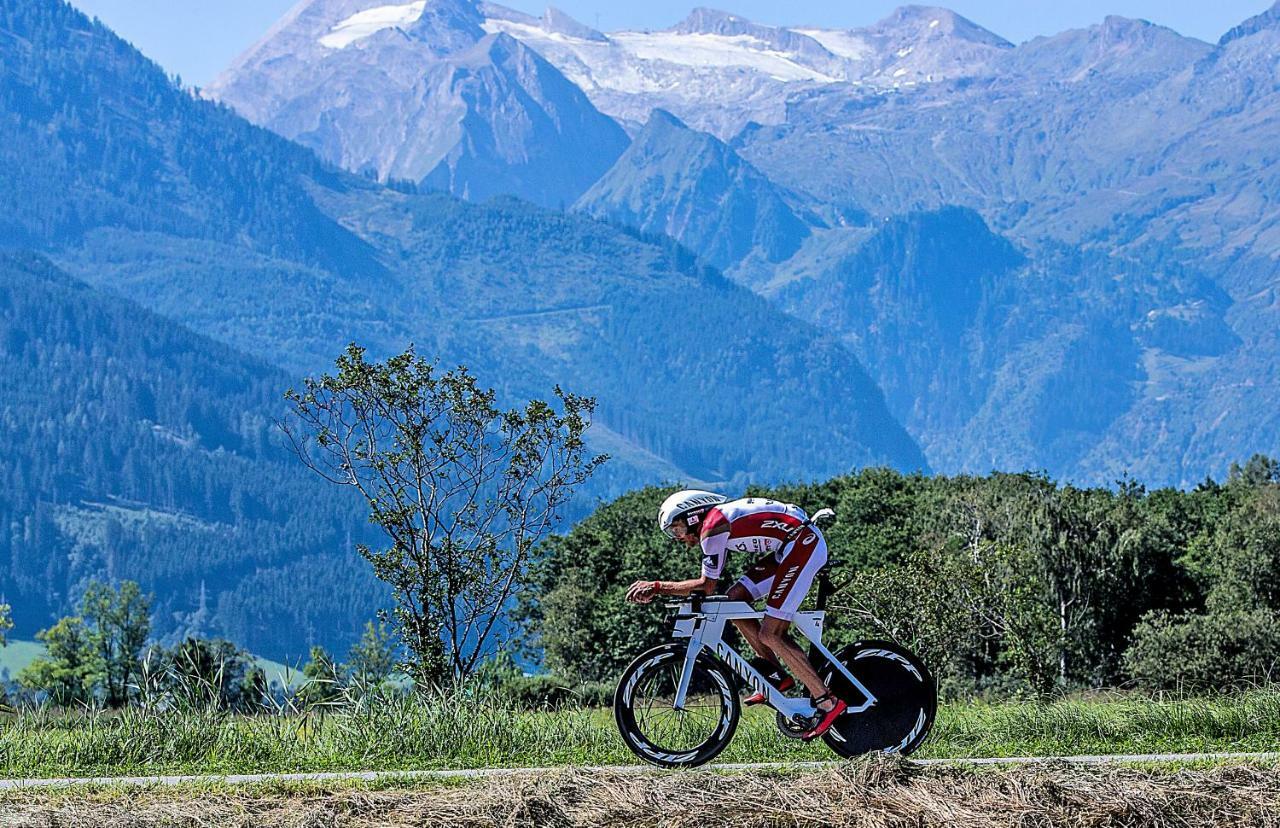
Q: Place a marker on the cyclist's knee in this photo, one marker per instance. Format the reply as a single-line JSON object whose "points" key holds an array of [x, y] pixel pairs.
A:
{"points": [[738, 592]]}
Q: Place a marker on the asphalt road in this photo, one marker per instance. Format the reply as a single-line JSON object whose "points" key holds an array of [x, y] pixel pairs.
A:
{"points": [[481, 773]]}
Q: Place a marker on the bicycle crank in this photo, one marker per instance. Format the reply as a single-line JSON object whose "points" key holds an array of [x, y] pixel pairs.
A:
{"points": [[793, 727]]}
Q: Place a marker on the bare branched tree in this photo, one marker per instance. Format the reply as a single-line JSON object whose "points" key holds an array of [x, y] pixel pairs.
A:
{"points": [[462, 489]]}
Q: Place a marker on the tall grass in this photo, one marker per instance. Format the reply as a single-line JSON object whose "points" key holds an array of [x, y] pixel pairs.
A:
{"points": [[1248, 721], [392, 732]]}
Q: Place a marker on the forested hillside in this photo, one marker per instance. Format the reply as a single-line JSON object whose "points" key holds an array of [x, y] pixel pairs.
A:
{"points": [[95, 135], [131, 448]]}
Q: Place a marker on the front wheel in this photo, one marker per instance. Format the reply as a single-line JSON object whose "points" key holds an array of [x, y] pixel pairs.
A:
{"points": [[906, 700], [644, 708]]}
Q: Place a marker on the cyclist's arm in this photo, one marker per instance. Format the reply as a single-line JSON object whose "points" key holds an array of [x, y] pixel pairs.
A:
{"points": [[642, 592], [714, 552], [715, 549], [680, 588]]}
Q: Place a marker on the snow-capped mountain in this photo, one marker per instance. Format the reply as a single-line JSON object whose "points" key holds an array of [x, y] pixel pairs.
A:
{"points": [[914, 44], [717, 71], [714, 70], [422, 92]]}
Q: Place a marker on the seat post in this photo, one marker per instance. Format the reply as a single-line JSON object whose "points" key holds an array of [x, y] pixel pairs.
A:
{"points": [[824, 591], [824, 587]]}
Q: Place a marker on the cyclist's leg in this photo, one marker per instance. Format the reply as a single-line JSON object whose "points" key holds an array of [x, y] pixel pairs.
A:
{"points": [[774, 635], [754, 585], [792, 580]]}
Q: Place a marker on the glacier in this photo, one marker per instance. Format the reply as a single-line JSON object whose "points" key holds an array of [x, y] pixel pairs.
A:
{"points": [[716, 71]]}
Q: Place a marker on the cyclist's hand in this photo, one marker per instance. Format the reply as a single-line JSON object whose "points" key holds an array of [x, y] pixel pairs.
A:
{"points": [[641, 592]]}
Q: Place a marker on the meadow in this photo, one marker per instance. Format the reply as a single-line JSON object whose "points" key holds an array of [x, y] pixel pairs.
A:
{"points": [[417, 733]]}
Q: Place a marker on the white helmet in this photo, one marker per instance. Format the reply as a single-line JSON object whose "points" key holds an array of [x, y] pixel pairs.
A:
{"points": [[688, 506]]}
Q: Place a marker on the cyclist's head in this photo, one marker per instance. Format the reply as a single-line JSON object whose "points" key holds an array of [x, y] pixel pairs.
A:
{"points": [[680, 514]]}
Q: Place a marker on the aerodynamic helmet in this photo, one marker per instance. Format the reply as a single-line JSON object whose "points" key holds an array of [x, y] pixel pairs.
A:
{"points": [[688, 506]]}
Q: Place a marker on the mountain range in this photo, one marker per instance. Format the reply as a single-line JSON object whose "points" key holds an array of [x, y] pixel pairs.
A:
{"points": [[1057, 254], [231, 261], [474, 113], [849, 175]]}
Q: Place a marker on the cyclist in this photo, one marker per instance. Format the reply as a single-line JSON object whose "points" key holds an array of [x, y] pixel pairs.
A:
{"points": [[792, 551]]}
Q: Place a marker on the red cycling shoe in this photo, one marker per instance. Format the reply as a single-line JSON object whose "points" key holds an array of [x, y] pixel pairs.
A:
{"points": [[828, 717], [760, 698]]}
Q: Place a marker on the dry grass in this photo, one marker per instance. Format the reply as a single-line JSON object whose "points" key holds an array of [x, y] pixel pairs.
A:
{"points": [[873, 794]]}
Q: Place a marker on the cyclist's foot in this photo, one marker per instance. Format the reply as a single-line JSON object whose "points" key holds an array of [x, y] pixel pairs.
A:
{"points": [[827, 716], [760, 698]]}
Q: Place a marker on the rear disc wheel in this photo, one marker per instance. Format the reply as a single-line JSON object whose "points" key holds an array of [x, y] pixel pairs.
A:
{"points": [[906, 700]]}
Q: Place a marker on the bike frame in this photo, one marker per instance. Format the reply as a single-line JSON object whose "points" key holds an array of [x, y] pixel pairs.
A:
{"points": [[702, 621]]}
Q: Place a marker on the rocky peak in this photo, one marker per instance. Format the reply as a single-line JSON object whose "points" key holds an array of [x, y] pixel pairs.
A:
{"points": [[914, 21], [1269, 19], [498, 49], [493, 11], [665, 134], [713, 21], [557, 22], [1124, 34], [808, 51], [319, 15], [1116, 47], [661, 119], [447, 26], [693, 187], [1115, 29]]}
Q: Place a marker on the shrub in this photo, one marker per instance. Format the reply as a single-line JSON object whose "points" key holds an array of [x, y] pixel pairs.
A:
{"points": [[1204, 652]]}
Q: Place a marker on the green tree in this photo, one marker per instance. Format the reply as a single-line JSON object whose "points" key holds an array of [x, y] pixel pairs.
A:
{"points": [[70, 667], [967, 610], [6, 622], [1240, 561], [1004, 582], [877, 511], [120, 622], [462, 489], [322, 682], [1258, 471], [372, 658], [1235, 560]]}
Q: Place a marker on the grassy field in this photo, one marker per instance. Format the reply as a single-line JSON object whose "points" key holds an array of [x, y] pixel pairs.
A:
{"points": [[415, 734]]}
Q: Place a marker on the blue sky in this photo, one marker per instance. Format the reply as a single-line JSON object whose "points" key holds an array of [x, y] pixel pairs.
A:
{"points": [[197, 38]]}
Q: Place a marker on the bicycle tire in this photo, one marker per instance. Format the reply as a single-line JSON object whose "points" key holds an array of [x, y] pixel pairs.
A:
{"points": [[647, 684], [907, 700]]}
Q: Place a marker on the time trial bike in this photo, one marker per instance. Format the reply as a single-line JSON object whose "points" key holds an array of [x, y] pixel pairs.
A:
{"points": [[677, 704]]}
